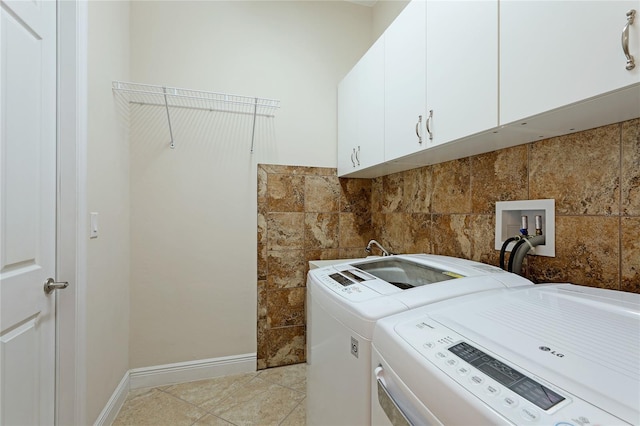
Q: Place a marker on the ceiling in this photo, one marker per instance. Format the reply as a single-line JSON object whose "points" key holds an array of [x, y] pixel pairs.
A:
{"points": [[369, 3]]}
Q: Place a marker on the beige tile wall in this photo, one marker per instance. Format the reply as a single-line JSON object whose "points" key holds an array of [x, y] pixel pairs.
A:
{"points": [[304, 213], [594, 177], [308, 213]]}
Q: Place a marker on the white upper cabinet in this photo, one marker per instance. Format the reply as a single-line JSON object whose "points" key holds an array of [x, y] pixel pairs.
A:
{"points": [[462, 69], [466, 77], [556, 53], [361, 113], [405, 80], [347, 122], [371, 98]]}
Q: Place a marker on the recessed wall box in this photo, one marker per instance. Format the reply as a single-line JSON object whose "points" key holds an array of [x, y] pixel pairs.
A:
{"points": [[509, 219]]}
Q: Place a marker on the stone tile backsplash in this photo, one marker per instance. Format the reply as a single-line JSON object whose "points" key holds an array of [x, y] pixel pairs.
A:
{"points": [[580, 171], [307, 213], [304, 213], [594, 177]]}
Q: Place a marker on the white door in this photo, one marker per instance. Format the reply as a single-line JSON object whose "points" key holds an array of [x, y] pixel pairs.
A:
{"points": [[27, 211]]}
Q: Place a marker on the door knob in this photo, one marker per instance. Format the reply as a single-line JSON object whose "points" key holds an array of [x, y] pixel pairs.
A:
{"points": [[50, 285]]}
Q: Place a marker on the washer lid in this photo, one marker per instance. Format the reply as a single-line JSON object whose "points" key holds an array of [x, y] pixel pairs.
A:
{"points": [[583, 340]]}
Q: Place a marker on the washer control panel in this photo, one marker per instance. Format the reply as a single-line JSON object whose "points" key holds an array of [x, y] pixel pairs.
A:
{"points": [[516, 394], [347, 284]]}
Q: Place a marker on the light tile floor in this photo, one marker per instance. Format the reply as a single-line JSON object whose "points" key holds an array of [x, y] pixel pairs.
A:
{"points": [[275, 396]]}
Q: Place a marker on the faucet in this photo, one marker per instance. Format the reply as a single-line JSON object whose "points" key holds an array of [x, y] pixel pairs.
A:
{"points": [[382, 249]]}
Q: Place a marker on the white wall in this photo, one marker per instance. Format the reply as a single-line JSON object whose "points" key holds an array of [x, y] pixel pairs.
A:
{"points": [[384, 12], [108, 194], [193, 209], [294, 51]]}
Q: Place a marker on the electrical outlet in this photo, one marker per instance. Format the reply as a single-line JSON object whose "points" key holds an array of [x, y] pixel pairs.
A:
{"points": [[354, 347]]}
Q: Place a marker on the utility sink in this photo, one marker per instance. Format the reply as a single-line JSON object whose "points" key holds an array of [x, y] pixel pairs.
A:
{"points": [[404, 273]]}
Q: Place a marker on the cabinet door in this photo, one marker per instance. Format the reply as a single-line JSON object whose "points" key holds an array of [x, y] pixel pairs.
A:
{"points": [[361, 113], [347, 122], [555, 53], [370, 77], [404, 76], [462, 68]]}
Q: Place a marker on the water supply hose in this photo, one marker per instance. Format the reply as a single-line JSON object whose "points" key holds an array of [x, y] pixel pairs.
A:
{"points": [[513, 252], [518, 255], [524, 234], [504, 249]]}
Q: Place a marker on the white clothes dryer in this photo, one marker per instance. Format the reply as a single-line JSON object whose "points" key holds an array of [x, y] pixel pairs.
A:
{"points": [[343, 304], [550, 354]]}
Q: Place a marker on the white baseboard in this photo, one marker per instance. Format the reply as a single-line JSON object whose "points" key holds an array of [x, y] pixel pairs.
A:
{"points": [[162, 375], [111, 410]]}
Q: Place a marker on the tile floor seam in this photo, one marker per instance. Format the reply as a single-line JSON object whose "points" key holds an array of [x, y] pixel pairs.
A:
{"points": [[226, 420], [235, 392], [287, 382], [180, 399], [158, 390], [200, 418], [284, 386], [271, 388], [188, 402], [292, 410], [294, 390], [213, 408], [201, 404], [221, 418]]}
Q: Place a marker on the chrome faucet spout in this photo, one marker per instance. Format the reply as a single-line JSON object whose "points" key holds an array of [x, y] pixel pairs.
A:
{"points": [[377, 244]]}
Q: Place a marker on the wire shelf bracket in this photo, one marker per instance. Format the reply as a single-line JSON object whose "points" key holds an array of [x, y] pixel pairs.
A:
{"points": [[171, 97]]}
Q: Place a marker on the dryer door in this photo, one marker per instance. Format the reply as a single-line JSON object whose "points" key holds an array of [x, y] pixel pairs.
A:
{"points": [[392, 403]]}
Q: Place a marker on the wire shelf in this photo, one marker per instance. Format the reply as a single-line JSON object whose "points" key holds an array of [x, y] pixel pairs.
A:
{"points": [[171, 97]]}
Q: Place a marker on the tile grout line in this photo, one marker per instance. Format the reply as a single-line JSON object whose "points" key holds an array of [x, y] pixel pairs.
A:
{"points": [[166, 391], [292, 410], [211, 414], [269, 382], [620, 213], [227, 398], [158, 389]]}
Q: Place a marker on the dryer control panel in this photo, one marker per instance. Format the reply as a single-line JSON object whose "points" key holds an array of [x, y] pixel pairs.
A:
{"points": [[518, 395]]}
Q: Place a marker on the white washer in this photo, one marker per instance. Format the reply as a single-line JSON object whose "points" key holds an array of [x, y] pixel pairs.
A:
{"points": [[557, 354], [344, 302]]}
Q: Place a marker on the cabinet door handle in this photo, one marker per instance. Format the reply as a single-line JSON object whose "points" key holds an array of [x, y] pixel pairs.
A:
{"points": [[418, 129], [625, 39], [428, 124], [358, 155], [352, 155]]}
